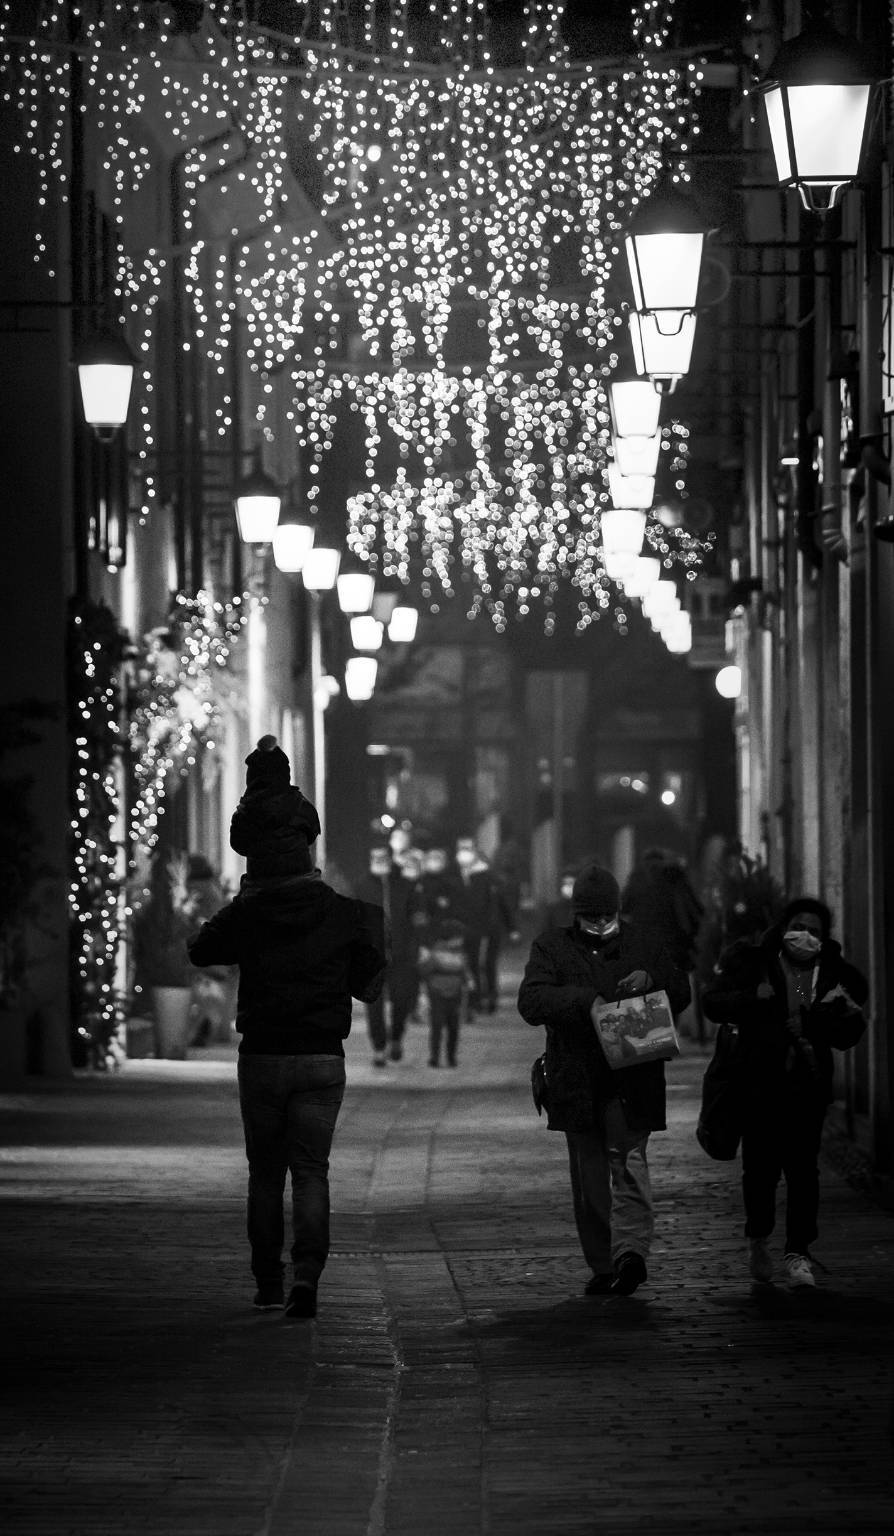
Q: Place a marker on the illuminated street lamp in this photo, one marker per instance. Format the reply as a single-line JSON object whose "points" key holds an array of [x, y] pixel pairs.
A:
{"points": [[635, 407], [360, 677], [367, 633], [623, 530], [402, 624], [320, 569], [646, 571], [292, 541], [728, 682], [356, 588], [817, 93], [638, 455], [258, 501], [664, 246], [634, 491], [105, 367], [663, 356]]}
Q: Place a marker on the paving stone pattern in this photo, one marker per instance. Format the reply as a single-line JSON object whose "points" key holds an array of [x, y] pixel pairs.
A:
{"points": [[456, 1380]]}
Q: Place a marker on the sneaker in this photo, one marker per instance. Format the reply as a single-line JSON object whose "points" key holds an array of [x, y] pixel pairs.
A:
{"points": [[302, 1301], [268, 1296], [379, 1058], [630, 1272], [599, 1284], [798, 1271], [759, 1262]]}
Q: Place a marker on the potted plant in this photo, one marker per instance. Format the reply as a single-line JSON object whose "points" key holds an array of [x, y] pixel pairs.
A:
{"points": [[161, 929]]}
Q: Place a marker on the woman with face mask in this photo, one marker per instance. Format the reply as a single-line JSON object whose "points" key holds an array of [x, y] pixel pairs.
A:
{"points": [[606, 1115], [794, 998]]}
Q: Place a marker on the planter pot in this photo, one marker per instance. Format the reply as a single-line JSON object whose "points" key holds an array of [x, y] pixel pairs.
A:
{"points": [[171, 1007], [13, 1048]]}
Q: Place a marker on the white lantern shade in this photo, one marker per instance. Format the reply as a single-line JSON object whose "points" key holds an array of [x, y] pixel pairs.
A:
{"points": [[664, 354], [291, 543], [355, 591], [105, 392], [257, 517], [638, 455], [660, 598], [402, 625], [618, 564], [646, 571], [664, 268], [728, 682], [320, 569], [623, 531], [817, 134], [636, 491], [360, 677], [635, 407], [367, 633], [676, 633]]}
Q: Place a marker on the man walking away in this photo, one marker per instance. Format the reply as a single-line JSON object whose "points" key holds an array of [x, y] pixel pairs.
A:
{"points": [[606, 1115], [303, 952]]}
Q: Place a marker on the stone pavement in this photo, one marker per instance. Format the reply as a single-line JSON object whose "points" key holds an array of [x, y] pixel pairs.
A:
{"points": [[456, 1381]]}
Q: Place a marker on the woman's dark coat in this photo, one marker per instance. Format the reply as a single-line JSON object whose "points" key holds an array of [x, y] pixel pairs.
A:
{"points": [[768, 1065], [562, 980]]}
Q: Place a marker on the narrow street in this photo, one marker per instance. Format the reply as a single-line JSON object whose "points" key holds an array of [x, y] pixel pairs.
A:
{"points": [[456, 1380]]}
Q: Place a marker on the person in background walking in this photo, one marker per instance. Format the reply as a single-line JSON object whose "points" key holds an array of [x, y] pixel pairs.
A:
{"points": [[606, 1116], [303, 952], [793, 998], [443, 965], [401, 899], [558, 913], [659, 896], [483, 910]]}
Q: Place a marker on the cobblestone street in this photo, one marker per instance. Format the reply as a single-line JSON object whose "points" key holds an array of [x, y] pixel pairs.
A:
{"points": [[456, 1380]]}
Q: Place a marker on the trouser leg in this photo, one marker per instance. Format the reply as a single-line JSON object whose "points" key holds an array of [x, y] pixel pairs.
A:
{"points": [[312, 1115], [800, 1156], [375, 1017], [632, 1215], [591, 1196], [435, 1026], [403, 986], [761, 1170], [264, 1123], [452, 1026]]}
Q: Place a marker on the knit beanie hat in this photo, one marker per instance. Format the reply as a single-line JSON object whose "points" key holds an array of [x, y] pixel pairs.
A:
{"points": [[596, 893], [267, 765], [808, 904]]}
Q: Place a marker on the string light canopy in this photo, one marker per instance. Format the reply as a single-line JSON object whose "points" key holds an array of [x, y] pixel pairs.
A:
{"points": [[816, 95], [396, 213]]}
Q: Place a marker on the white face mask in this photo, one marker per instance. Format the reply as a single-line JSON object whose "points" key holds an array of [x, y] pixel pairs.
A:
{"points": [[567, 890], [599, 930], [800, 944]]}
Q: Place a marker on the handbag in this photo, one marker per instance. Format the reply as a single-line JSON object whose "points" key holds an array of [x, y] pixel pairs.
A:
{"points": [[538, 1085], [634, 1030], [719, 1128]]}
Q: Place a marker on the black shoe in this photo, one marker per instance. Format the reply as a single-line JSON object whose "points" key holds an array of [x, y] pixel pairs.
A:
{"points": [[432, 1062], [451, 1061], [302, 1301], [630, 1272], [268, 1296], [397, 1051], [599, 1285]]}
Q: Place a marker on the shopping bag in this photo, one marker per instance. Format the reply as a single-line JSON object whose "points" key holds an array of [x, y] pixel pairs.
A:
{"points": [[636, 1029], [719, 1128]]}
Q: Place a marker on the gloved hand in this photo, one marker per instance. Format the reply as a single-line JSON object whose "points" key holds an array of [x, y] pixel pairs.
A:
{"points": [[634, 984]]}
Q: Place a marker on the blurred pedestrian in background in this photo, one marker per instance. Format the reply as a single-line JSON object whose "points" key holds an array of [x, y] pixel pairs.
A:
{"points": [[303, 952], [558, 913], [400, 896], [793, 999], [443, 964], [606, 1115], [659, 898]]}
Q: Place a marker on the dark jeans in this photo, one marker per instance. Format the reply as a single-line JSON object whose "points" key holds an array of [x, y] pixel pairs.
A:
{"points": [[490, 956], [783, 1140], [400, 990], [289, 1108], [443, 1020]]}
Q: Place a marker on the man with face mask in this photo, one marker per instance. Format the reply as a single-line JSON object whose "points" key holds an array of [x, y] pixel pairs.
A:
{"points": [[606, 1115], [793, 998]]}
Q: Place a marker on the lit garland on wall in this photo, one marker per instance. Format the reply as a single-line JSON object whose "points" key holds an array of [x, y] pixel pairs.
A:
{"points": [[95, 651], [470, 216], [174, 706]]}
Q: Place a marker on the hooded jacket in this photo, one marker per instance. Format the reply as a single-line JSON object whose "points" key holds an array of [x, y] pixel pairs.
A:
{"points": [[829, 1023], [562, 979], [303, 952]]}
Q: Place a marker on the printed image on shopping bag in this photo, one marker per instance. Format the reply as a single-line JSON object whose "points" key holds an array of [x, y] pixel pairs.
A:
{"points": [[636, 1029]]}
